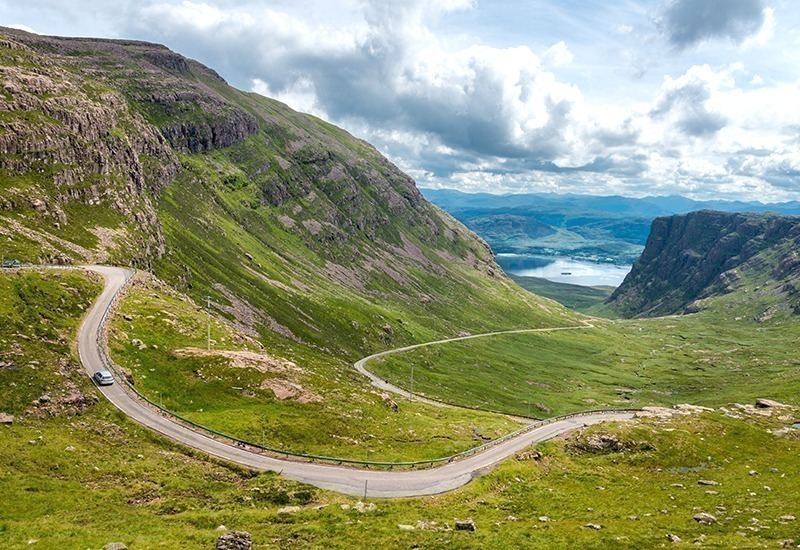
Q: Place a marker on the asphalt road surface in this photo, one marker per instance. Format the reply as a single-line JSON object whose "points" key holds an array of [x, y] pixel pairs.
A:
{"points": [[342, 479]]}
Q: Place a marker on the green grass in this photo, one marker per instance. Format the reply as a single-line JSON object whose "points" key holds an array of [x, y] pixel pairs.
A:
{"points": [[349, 420], [39, 312], [707, 359], [577, 297], [211, 227], [78, 480], [427, 279]]}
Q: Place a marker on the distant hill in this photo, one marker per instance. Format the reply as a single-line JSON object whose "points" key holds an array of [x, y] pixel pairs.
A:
{"points": [[691, 259], [599, 228]]}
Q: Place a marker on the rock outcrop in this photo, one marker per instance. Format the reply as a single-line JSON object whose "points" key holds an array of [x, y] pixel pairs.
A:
{"points": [[68, 145], [235, 540], [704, 254]]}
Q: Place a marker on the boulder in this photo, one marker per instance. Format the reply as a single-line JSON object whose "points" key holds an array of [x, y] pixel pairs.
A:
{"points": [[6, 418], [138, 343], [673, 538], [115, 546], [465, 525], [706, 482], [235, 540], [289, 509], [365, 507], [600, 442], [389, 402], [593, 526], [530, 454], [654, 412], [768, 404], [703, 517]]}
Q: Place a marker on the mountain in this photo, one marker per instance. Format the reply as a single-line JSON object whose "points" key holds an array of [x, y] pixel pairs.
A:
{"points": [[302, 235], [692, 259], [599, 228]]}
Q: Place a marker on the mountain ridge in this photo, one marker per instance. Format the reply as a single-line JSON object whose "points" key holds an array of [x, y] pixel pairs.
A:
{"points": [[126, 152], [596, 228]]}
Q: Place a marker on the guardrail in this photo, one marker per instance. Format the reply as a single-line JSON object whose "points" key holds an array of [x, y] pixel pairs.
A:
{"points": [[101, 344], [102, 349]]}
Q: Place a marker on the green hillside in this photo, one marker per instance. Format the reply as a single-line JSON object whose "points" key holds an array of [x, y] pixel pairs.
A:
{"points": [[309, 246], [152, 159], [75, 473], [302, 249]]}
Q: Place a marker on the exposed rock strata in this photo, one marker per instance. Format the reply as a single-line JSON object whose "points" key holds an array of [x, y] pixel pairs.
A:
{"points": [[691, 257]]}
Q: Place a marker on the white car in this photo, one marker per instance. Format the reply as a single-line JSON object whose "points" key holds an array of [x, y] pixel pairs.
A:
{"points": [[103, 378]]}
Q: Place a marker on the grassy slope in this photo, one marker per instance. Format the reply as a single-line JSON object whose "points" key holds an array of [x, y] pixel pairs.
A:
{"points": [[211, 226], [342, 243], [349, 421], [577, 297], [304, 237], [741, 345], [710, 358], [122, 483]]}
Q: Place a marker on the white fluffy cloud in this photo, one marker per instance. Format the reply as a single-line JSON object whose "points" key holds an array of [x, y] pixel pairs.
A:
{"points": [[619, 98]]}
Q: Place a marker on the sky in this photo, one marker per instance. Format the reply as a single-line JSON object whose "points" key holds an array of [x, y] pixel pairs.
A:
{"points": [[621, 97]]}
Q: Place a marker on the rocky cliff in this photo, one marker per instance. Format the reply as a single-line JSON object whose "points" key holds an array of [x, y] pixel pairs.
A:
{"points": [[68, 144], [694, 257]]}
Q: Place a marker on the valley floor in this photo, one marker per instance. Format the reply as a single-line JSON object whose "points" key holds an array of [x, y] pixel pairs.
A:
{"points": [[76, 473]]}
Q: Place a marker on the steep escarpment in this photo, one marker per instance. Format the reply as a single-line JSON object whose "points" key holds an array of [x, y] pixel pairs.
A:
{"points": [[183, 98], [692, 258], [301, 234], [69, 145]]}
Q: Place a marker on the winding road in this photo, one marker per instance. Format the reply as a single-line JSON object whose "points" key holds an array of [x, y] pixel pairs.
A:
{"points": [[380, 383], [370, 483]]}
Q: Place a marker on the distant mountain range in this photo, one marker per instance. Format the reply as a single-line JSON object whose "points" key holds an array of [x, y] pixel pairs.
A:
{"points": [[599, 228]]}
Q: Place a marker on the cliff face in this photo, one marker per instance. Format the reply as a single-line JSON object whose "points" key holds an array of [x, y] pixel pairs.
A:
{"points": [[692, 257], [67, 143]]}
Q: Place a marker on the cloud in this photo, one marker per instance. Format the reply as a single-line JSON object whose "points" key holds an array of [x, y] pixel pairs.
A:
{"points": [[687, 23], [390, 69], [685, 103], [21, 27], [507, 95], [558, 54]]}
